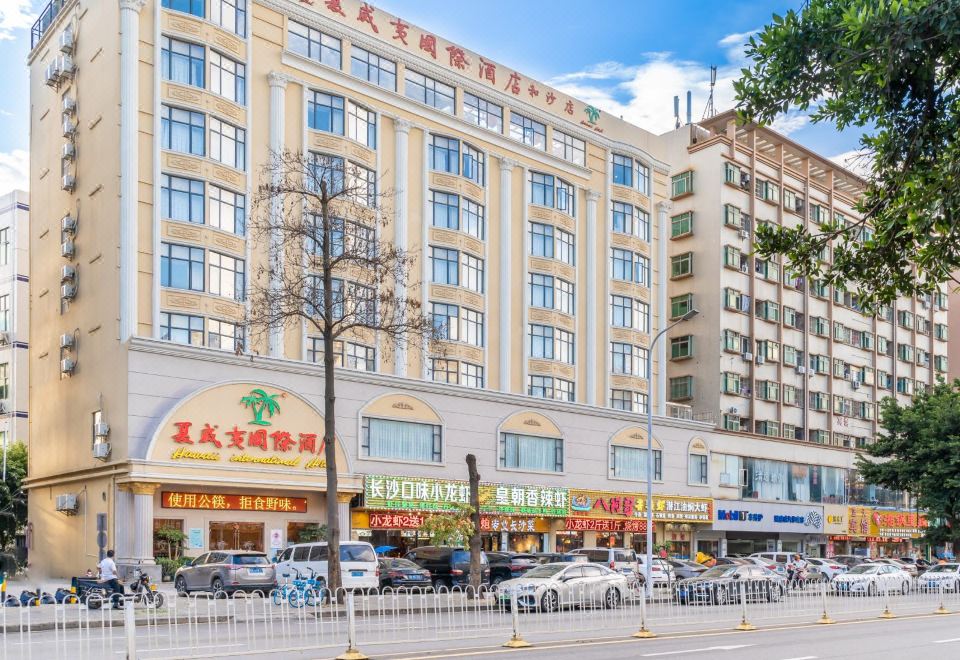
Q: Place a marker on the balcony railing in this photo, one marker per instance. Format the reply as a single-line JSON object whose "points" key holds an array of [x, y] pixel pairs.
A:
{"points": [[45, 20]]}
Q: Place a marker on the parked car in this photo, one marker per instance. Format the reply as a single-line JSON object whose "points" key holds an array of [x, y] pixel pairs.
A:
{"points": [[228, 571], [722, 584], [621, 560], [730, 561], [828, 567], [551, 557], [850, 560], [909, 568], [449, 566], [684, 569], [397, 573], [661, 572], [508, 565], [921, 564], [551, 587], [759, 561], [945, 575], [358, 563], [779, 559], [871, 579]]}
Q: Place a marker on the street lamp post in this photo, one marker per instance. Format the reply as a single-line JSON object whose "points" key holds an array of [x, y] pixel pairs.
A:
{"points": [[648, 564]]}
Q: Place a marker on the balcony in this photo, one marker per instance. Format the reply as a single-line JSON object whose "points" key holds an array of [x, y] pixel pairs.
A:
{"points": [[45, 20]]}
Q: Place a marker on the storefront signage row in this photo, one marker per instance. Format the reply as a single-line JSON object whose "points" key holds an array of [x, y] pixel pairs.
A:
{"points": [[605, 525], [746, 516], [603, 504], [869, 522], [178, 500]]}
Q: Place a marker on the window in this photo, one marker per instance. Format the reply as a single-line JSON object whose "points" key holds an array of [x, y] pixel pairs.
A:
{"points": [[565, 347], [228, 210], [362, 184], [681, 184], [569, 148], [182, 62], [226, 276], [627, 400], [680, 305], [4, 246], [631, 463], [445, 154], [359, 357], [629, 219], [228, 144], [483, 113], [471, 272], [542, 341], [565, 250], [623, 170], [325, 112], [182, 130], [312, 43], [473, 164], [404, 441], [564, 297], [230, 14], [429, 91], [228, 78], [181, 199], [324, 168], [628, 359], [730, 383], [681, 348], [181, 267], [5, 325], [225, 336], [626, 312], [547, 190], [181, 328], [548, 387], [697, 470], [445, 266], [456, 323], [630, 267], [471, 375], [731, 174], [528, 452], [528, 131], [373, 68], [681, 265], [542, 240], [681, 225], [681, 388], [444, 371], [446, 209], [194, 7], [473, 222]]}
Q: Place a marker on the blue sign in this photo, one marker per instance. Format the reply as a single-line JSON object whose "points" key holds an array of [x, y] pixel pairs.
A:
{"points": [[196, 538], [743, 515]]}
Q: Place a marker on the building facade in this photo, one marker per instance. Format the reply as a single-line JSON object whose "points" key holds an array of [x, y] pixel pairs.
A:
{"points": [[540, 228], [14, 317]]}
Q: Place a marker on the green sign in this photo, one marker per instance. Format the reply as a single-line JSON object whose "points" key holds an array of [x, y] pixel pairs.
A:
{"points": [[260, 402], [425, 494]]}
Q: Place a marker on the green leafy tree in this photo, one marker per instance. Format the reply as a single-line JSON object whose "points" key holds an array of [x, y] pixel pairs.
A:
{"points": [[920, 453], [452, 528], [173, 538], [13, 499], [892, 68]]}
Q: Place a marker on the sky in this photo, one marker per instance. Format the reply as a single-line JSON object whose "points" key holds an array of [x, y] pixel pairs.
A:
{"points": [[628, 57]]}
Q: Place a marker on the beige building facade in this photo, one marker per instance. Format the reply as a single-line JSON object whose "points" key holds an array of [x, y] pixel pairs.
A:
{"points": [[14, 317]]}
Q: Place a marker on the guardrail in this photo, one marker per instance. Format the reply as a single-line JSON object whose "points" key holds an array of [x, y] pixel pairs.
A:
{"points": [[412, 619]]}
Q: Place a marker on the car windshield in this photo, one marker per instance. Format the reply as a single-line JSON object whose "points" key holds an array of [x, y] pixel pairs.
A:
{"points": [[250, 560], [943, 568], [863, 569], [463, 557], [357, 553], [400, 564], [719, 571], [544, 571]]}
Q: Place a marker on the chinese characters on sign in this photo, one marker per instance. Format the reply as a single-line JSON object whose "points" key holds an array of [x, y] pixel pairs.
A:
{"points": [[500, 524], [176, 500], [604, 525], [395, 521], [423, 494], [600, 504], [528, 500]]}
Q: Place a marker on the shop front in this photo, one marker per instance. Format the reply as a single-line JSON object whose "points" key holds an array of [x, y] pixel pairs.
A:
{"points": [[750, 527], [835, 527], [883, 533]]}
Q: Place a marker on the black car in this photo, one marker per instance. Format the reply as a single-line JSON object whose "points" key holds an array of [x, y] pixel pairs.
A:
{"points": [[726, 584], [509, 565], [449, 566], [397, 573]]}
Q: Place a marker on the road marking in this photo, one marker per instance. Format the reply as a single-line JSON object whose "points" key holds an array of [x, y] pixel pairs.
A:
{"points": [[711, 648], [804, 657], [947, 641]]}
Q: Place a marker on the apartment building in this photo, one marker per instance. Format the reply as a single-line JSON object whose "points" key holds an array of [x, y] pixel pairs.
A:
{"points": [[14, 321], [772, 353]]}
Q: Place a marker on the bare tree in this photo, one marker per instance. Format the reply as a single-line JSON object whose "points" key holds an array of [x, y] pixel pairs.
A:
{"points": [[327, 269], [476, 577]]}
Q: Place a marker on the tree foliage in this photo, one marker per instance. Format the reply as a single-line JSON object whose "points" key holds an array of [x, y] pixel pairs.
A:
{"points": [[451, 528], [892, 68], [920, 453], [13, 499]]}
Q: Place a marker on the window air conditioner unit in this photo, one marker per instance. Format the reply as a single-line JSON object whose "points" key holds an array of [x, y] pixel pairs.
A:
{"points": [[761, 359], [101, 450], [53, 74], [68, 291], [69, 105], [66, 65], [747, 357], [101, 429], [66, 41], [67, 503], [732, 410], [744, 234], [4, 338], [67, 273], [66, 341], [68, 183], [801, 370], [68, 151], [744, 180], [69, 128], [855, 384], [4, 406], [67, 249], [68, 224], [67, 366]]}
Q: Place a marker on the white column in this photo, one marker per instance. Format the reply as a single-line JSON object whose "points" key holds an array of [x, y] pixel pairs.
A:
{"points": [[591, 296], [343, 512], [506, 279], [129, 162], [401, 129], [122, 532], [662, 313], [278, 93], [143, 522]]}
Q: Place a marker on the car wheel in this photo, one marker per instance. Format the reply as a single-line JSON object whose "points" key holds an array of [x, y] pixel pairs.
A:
{"points": [[439, 584], [216, 585], [720, 596], [611, 599], [872, 589], [773, 593], [905, 589], [180, 584], [550, 601]]}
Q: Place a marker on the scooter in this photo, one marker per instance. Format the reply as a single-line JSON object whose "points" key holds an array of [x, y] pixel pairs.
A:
{"points": [[145, 592]]}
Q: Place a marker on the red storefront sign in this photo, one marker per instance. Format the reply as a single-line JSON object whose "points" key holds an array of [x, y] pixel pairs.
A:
{"points": [[605, 525], [395, 521], [176, 500]]}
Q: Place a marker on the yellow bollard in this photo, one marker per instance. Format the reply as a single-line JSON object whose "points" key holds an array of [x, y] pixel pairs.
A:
{"points": [[516, 641], [643, 633], [744, 625]]}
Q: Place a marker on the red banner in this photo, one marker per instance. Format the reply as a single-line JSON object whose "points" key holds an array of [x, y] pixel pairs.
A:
{"points": [[395, 521], [605, 525], [175, 500]]}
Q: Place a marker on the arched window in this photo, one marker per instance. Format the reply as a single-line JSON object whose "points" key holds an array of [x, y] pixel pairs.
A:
{"points": [[628, 455], [698, 461], [399, 427], [531, 442]]}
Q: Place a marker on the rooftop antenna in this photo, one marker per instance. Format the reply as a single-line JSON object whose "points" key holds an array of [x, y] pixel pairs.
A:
{"points": [[676, 112], [711, 110], [689, 98]]}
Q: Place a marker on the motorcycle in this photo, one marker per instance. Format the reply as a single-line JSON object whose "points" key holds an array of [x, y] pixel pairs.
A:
{"points": [[145, 592], [797, 578]]}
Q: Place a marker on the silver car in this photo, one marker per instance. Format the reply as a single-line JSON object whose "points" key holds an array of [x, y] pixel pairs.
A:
{"points": [[551, 587], [227, 571]]}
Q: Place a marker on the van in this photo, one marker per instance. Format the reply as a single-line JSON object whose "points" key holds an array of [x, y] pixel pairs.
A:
{"points": [[621, 560], [359, 568], [779, 559]]}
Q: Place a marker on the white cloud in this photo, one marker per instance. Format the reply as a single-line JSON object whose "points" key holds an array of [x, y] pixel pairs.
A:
{"points": [[856, 160], [790, 122], [14, 15], [14, 170]]}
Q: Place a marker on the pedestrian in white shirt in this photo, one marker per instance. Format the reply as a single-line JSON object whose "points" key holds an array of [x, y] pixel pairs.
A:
{"points": [[108, 575]]}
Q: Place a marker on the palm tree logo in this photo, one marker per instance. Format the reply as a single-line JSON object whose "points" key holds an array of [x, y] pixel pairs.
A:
{"points": [[261, 402]]}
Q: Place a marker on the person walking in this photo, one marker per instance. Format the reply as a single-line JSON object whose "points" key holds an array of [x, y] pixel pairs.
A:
{"points": [[108, 575]]}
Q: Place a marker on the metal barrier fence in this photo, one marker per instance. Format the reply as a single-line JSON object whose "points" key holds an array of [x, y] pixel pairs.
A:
{"points": [[217, 625]]}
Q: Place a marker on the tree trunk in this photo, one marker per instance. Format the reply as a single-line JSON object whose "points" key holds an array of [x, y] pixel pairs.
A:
{"points": [[476, 576]]}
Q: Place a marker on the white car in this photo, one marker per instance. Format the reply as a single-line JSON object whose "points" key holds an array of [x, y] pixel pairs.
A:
{"points": [[945, 575], [551, 587], [828, 567], [359, 568], [909, 568], [871, 579]]}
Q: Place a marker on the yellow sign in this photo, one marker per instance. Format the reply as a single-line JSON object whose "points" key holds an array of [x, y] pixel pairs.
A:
{"points": [[835, 520], [669, 508]]}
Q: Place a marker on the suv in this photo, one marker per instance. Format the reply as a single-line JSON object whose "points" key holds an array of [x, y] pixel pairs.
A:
{"points": [[621, 560], [449, 566], [229, 571], [359, 568], [508, 565]]}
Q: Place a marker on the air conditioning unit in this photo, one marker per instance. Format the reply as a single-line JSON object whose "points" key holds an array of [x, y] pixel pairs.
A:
{"points": [[69, 105], [66, 41], [69, 128], [66, 340], [744, 180], [101, 450], [53, 74], [101, 429], [4, 338], [4, 406], [66, 65], [67, 273], [68, 224], [744, 268], [855, 384], [67, 249], [68, 151], [747, 357], [801, 369], [733, 410], [68, 291], [67, 366], [68, 183], [744, 234], [67, 503], [761, 359], [798, 205]]}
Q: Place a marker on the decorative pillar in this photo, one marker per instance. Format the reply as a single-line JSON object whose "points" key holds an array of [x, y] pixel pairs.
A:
{"points": [[122, 532], [141, 507], [591, 296], [401, 129], [663, 315], [278, 93], [129, 163], [343, 511], [506, 279]]}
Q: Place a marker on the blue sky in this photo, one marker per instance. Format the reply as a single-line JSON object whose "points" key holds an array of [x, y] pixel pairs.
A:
{"points": [[628, 57]]}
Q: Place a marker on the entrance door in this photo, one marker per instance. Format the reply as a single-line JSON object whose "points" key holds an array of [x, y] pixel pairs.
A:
{"points": [[236, 536]]}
